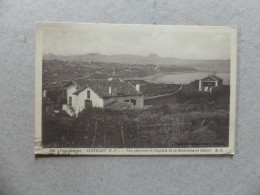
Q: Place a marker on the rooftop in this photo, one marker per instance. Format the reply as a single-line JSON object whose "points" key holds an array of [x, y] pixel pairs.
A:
{"points": [[101, 87], [213, 77]]}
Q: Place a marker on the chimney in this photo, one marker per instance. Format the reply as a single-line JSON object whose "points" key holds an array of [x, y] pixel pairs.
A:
{"points": [[137, 87], [112, 90]]}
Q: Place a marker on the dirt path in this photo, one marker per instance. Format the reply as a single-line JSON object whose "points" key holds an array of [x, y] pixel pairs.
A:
{"points": [[164, 95]]}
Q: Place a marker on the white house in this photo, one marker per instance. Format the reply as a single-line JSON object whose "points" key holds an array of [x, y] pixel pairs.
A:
{"points": [[102, 93], [208, 83]]}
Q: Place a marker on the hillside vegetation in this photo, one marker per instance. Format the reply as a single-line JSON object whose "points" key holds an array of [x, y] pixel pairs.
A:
{"points": [[193, 119]]}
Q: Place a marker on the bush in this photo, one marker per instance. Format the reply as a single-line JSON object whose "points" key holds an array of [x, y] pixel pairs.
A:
{"points": [[55, 93]]}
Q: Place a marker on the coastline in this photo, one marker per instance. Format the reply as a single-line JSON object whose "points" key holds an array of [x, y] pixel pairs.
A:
{"points": [[184, 77]]}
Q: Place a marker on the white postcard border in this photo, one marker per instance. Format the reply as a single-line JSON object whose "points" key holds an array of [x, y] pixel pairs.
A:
{"points": [[39, 150]]}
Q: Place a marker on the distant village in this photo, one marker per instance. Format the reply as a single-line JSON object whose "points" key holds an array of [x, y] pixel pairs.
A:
{"points": [[56, 70]]}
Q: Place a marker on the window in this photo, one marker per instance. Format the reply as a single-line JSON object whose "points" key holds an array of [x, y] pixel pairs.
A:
{"points": [[88, 94], [70, 101], [126, 100], [133, 101]]}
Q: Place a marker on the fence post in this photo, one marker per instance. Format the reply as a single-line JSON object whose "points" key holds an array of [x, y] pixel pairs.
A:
{"points": [[94, 134], [105, 137], [178, 130], [168, 131], [122, 133], [88, 128], [174, 126]]}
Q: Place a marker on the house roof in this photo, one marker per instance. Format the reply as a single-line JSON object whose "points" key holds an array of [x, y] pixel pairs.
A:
{"points": [[212, 77], [101, 87], [141, 82]]}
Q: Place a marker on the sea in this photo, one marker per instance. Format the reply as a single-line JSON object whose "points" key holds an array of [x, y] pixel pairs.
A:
{"points": [[183, 77]]}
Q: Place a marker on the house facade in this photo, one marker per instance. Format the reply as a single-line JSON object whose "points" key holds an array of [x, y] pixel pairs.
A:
{"points": [[102, 93], [208, 83]]}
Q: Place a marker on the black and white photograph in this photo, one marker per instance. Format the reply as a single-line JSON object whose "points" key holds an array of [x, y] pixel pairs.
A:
{"points": [[151, 97], [134, 89]]}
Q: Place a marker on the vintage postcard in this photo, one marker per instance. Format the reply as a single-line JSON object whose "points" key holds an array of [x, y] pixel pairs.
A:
{"points": [[124, 89]]}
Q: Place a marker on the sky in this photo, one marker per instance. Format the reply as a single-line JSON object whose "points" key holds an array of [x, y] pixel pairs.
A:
{"points": [[165, 41]]}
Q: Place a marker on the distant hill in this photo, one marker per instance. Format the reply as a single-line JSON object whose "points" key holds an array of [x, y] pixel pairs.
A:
{"points": [[203, 65]]}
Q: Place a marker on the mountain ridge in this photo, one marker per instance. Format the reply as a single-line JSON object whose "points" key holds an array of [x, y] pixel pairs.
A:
{"points": [[204, 65]]}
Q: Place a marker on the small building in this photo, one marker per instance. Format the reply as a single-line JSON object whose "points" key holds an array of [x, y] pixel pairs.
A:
{"points": [[102, 93], [208, 83]]}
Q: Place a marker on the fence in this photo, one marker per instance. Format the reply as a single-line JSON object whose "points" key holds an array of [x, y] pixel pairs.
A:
{"points": [[161, 135], [95, 132]]}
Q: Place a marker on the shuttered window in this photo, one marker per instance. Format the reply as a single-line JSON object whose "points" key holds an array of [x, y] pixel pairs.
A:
{"points": [[133, 101]]}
